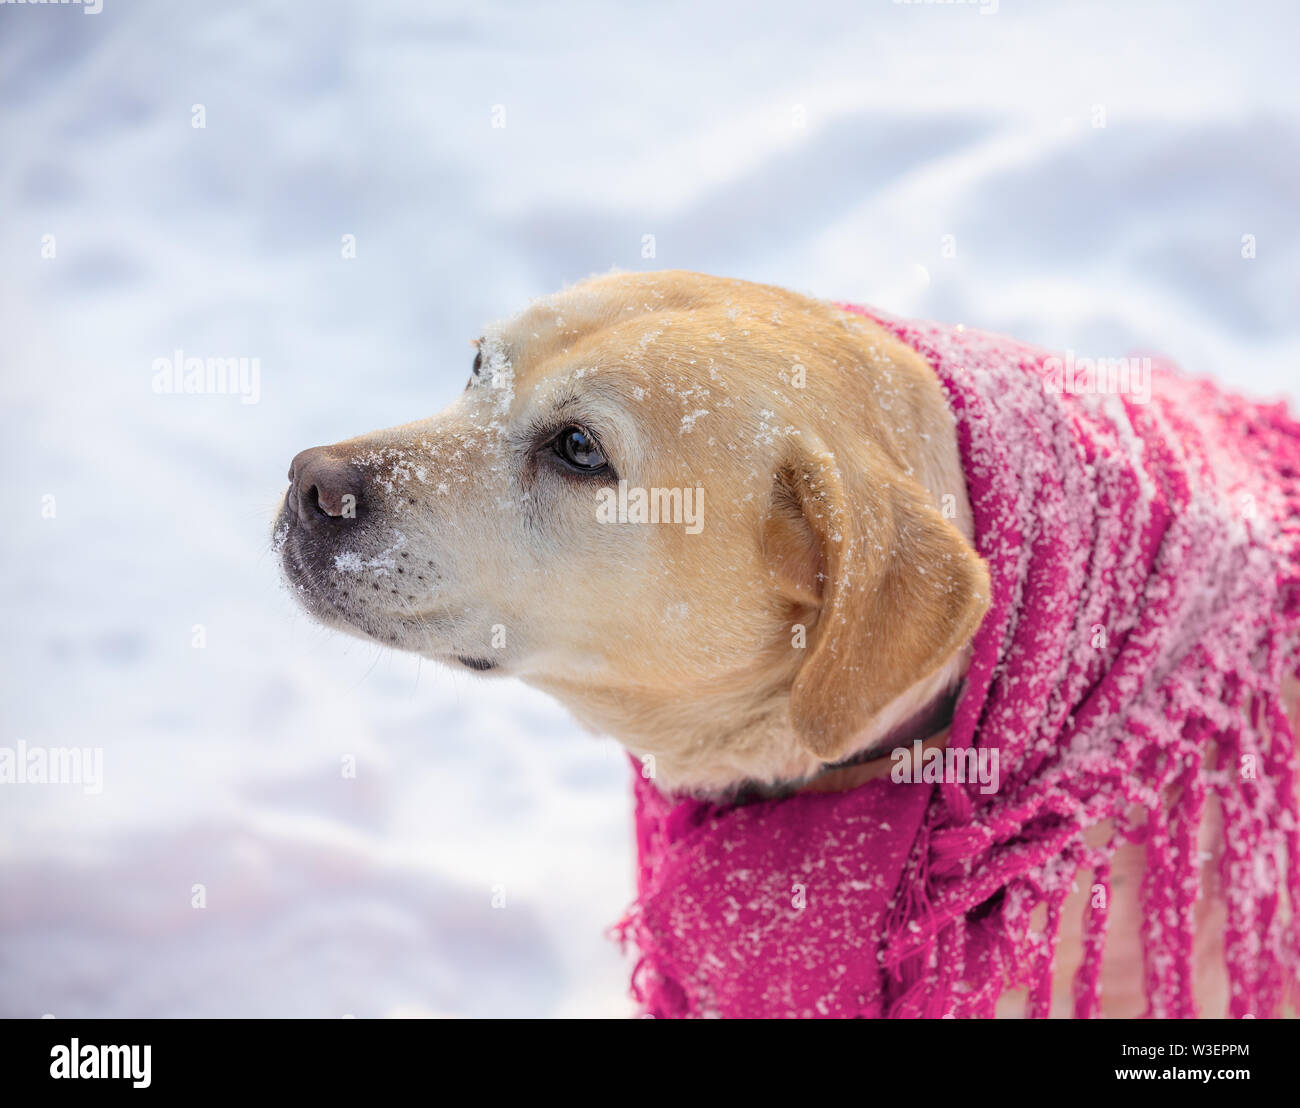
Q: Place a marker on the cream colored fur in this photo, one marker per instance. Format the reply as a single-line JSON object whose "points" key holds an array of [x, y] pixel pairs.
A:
{"points": [[831, 482]]}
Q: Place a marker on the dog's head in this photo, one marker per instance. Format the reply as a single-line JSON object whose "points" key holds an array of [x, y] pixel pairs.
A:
{"points": [[720, 521]]}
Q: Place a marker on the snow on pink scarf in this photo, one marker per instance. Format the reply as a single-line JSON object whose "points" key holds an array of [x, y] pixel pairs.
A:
{"points": [[1145, 560]]}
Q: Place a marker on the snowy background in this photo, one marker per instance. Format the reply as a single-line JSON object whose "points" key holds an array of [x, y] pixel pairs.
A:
{"points": [[830, 148]]}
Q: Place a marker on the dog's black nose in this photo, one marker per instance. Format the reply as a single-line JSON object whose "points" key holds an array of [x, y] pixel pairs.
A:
{"points": [[324, 488]]}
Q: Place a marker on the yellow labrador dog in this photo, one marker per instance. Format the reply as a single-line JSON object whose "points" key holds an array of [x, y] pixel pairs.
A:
{"points": [[474, 538]]}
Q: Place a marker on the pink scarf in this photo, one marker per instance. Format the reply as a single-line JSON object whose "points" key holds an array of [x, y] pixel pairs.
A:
{"points": [[1145, 561]]}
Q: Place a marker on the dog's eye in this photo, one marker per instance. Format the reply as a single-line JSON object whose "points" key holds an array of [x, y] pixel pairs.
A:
{"points": [[580, 450], [478, 364]]}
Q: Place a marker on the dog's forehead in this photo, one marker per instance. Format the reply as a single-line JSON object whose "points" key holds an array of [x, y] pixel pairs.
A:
{"points": [[614, 322], [572, 317]]}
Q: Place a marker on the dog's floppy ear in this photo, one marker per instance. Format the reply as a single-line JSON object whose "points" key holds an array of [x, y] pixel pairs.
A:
{"points": [[895, 589]]}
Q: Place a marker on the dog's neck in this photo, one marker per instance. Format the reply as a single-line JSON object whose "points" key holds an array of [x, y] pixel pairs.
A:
{"points": [[923, 714], [715, 742], [929, 727], [934, 718]]}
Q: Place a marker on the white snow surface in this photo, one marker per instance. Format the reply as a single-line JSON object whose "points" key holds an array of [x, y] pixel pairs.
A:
{"points": [[828, 147]]}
